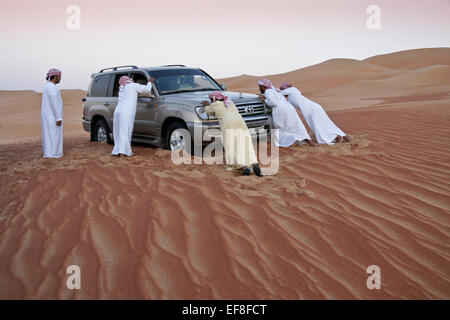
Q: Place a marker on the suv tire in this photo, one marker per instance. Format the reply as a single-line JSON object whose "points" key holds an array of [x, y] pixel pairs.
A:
{"points": [[178, 136], [102, 133]]}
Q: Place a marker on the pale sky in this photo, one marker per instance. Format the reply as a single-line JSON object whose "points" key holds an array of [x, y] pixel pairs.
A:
{"points": [[225, 38]]}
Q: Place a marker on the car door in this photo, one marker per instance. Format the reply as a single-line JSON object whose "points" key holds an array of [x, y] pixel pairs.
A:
{"points": [[146, 110], [99, 94]]}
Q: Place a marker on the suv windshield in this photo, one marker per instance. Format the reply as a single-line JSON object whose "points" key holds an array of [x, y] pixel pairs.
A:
{"points": [[182, 80]]}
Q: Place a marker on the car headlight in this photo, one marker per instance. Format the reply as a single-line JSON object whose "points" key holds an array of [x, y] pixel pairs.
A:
{"points": [[202, 114]]}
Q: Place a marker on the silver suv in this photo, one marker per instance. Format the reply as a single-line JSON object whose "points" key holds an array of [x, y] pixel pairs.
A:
{"points": [[171, 112]]}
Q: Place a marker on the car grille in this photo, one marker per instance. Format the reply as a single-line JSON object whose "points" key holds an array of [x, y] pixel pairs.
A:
{"points": [[251, 108]]}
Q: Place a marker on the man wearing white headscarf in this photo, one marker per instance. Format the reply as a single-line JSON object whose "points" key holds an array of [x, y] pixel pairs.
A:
{"points": [[324, 129], [290, 127], [52, 116], [125, 114]]}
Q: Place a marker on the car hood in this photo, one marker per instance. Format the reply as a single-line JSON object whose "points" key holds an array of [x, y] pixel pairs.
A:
{"points": [[196, 98]]}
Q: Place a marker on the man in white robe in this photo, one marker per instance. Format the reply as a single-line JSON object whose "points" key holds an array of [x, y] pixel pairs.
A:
{"points": [[236, 138], [324, 129], [52, 116], [290, 127], [125, 113]]}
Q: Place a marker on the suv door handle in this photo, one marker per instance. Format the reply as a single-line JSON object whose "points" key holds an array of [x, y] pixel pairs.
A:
{"points": [[106, 104]]}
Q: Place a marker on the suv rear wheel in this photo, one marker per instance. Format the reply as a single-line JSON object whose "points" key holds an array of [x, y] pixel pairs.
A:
{"points": [[102, 134]]}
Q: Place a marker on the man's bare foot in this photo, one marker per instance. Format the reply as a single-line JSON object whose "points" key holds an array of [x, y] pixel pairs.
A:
{"points": [[338, 139], [347, 139], [310, 143]]}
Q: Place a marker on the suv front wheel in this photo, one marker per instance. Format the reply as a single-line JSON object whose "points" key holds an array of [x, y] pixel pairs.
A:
{"points": [[102, 134], [178, 137]]}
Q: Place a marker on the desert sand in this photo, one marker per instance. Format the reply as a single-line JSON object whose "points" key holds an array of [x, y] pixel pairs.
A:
{"points": [[144, 228]]}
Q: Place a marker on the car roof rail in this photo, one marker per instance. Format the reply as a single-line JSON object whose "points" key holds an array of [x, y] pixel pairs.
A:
{"points": [[174, 65], [115, 68]]}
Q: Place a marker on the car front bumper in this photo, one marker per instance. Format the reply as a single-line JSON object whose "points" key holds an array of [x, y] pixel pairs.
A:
{"points": [[87, 125]]}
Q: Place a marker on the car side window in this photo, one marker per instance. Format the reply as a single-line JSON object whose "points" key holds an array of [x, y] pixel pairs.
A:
{"points": [[140, 78], [100, 85]]}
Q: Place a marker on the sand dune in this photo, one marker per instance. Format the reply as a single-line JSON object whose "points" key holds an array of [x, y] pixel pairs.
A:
{"points": [[340, 84], [428, 83], [21, 115], [328, 74], [412, 59], [144, 228]]}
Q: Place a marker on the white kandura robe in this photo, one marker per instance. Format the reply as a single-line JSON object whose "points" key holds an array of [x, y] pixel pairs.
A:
{"points": [[286, 119], [124, 116], [324, 129], [51, 112], [236, 137]]}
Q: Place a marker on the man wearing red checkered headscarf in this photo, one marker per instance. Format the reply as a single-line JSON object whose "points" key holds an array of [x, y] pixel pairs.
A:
{"points": [[52, 116]]}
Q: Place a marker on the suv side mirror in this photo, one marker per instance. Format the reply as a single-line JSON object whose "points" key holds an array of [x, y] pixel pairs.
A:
{"points": [[223, 86]]}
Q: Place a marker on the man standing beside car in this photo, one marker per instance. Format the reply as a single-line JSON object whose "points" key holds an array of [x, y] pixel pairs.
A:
{"points": [[125, 114], [51, 116]]}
